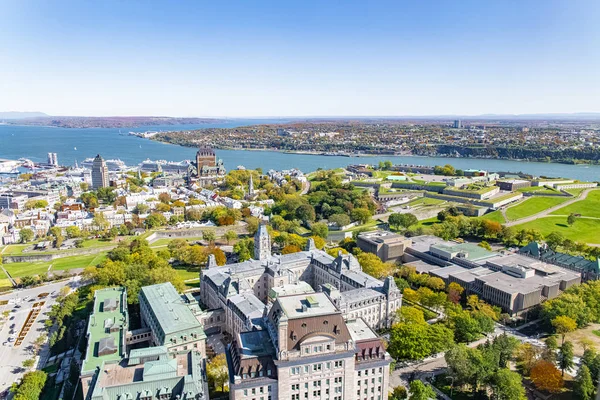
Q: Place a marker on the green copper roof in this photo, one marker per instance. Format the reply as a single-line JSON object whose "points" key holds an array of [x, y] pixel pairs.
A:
{"points": [[100, 321], [172, 312]]}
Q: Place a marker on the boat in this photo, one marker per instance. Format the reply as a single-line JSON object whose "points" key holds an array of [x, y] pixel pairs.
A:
{"points": [[112, 165], [165, 166], [8, 166]]}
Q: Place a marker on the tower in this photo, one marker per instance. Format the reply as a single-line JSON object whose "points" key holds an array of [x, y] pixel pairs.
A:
{"points": [[251, 187], [99, 173], [262, 243]]}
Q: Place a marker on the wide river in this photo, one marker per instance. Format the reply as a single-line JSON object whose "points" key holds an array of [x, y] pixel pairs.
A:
{"points": [[72, 145]]}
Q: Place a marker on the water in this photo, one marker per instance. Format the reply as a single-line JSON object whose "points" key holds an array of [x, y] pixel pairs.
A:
{"points": [[34, 143]]}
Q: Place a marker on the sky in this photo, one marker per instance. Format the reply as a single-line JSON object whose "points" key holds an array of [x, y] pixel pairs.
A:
{"points": [[299, 58]]}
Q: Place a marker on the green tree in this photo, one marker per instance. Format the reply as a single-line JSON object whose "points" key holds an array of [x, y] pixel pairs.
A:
{"points": [[244, 249], [141, 208], [408, 342], [571, 219], [507, 384], [554, 240], [26, 235], [420, 391], [230, 236], [466, 328], [209, 236], [306, 213], [398, 393], [563, 324], [320, 229], [584, 387], [155, 220], [565, 356], [361, 215], [340, 219], [73, 232], [30, 362], [30, 387], [217, 372]]}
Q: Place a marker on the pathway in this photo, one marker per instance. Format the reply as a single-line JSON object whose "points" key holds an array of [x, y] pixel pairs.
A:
{"points": [[582, 196]]}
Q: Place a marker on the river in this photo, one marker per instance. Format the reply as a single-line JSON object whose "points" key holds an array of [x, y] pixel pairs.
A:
{"points": [[71, 144]]}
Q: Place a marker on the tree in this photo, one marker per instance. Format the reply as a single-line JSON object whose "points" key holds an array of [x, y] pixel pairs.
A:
{"points": [[306, 213], [73, 232], [565, 356], [584, 387], [545, 376], [340, 219], [230, 236], [466, 328], [527, 357], [361, 215], [399, 393], [195, 255], [563, 325], [164, 198], [372, 265], [411, 315], [244, 249], [217, 372], [571, 219], [485, 245], [507, 384], [26, 235], [402, 220], [435, 283], [30, 387], [320, 229], [455, 292], [100, 222], [141, 208], [155, 220], [420, 391], [408, 342], [554, 240], [290, 248], [209, 236], [30, 362]]}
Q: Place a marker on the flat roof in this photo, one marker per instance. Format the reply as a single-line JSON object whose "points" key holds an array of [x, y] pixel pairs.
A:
{"points": [[315, 304], [474, 252], [171, 312], [96, 330], [255, 344], [359, 330]]}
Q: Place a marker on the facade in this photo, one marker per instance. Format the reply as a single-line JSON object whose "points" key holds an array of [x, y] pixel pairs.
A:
{"points": [[513, 184], [386, 245], [206, 165], [307, 351], [99, 173], [172, 319]]}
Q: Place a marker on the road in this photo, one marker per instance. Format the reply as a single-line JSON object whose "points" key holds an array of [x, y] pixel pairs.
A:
{"points": [[582, 196], [13, 357]]}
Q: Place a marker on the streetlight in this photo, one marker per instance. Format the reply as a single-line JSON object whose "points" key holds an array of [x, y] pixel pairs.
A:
{"points": [[451, 385]]}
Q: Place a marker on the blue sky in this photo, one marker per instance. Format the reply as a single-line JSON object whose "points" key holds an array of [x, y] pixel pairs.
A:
{"points": [[305, 58]]}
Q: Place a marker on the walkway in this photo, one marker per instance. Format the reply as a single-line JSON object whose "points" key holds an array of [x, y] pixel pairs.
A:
{"points": [[582, 196]]}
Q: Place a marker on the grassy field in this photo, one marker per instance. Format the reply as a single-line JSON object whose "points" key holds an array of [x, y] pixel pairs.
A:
{"points": [[590, 207], [584, 230], [494, 216], [17, 249], [533, 205], [425, 201], [60, 264], [574, 192], [537, 189], [165, 241]]}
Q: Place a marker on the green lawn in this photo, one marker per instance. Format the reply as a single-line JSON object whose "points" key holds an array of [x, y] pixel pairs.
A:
{"points": [[533, 205], [494, 216], [185, 274], [584, 230], [60, 264], [574, 192], [166, 241], [425, 201], [590, 207], [538, 189], [428, 222]]}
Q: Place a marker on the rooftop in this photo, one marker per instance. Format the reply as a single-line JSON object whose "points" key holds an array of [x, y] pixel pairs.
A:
{"points": [[171, 311], [255, 344], [100, 320], [381, 236], [359, 330], [306, 305]]}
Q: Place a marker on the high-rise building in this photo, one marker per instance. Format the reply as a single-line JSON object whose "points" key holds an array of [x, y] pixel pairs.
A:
{"points": [[99, 173], [52, 159], [457, 124]]}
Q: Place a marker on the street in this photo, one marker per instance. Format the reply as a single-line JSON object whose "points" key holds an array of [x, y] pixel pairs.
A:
{"points": [[11, 368]]}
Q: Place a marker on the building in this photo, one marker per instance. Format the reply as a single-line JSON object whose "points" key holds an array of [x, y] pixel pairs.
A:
{"points": [[457, 124], [172, 318], [341, 277], [106, 333], [513, 184], [52, 159], [206, 165], [151, 373], [514, 282], [307, 351], [589, 270], [99, 173], [386, 245]]}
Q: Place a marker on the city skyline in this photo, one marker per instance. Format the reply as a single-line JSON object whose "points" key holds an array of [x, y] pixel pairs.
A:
{"points": [[309, 59]]}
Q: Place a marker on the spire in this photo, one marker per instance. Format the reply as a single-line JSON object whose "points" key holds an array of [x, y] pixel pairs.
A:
{"points": [[251, 187], [262, 243], [212, 261], [389, 285], [310, 245]]}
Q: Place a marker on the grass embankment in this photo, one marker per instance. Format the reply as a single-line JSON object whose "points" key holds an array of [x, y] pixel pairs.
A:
{"points": [[494, 216], [590, 207], [583, 230], [533, 205], [538, 189], [60, 264]]}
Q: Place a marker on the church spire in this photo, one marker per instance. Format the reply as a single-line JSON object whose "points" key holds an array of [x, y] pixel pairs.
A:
{"points": [[262, 243]]}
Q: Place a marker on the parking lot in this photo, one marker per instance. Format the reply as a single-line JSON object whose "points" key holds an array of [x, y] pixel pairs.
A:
{"points": [[27, 313]]}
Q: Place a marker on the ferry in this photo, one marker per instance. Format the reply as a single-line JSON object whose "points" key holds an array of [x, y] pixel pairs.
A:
{"points": [[9, 166], [112, 165], [165, 166]]}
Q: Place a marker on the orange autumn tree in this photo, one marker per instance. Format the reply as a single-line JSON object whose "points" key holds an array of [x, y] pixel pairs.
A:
{"points": [[545, 376]]}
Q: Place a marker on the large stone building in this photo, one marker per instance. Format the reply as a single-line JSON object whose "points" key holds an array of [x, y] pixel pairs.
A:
{"points": [[388, 246], [119, 365], [302, 324], [206, 165], [308, 350], [172, 318], [99, 173]]}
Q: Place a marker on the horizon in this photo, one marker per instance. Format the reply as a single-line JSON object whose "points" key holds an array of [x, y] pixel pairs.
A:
{"points": [[300, 60]]}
